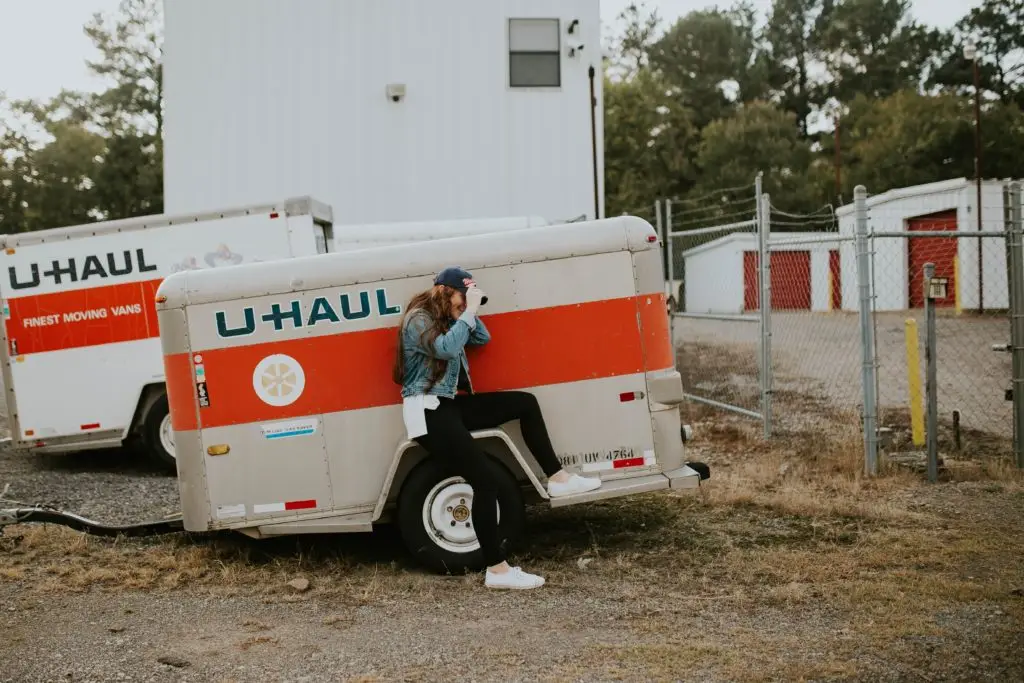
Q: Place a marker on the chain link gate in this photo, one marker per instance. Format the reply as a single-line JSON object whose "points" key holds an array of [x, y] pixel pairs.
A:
{"points": [[720, 328]]}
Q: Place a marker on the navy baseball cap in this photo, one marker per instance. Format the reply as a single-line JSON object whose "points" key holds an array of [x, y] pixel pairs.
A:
{"points": [[457, 278]]}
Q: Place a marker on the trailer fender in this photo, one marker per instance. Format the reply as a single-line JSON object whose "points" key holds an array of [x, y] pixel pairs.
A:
{"points": [[409, 453]]}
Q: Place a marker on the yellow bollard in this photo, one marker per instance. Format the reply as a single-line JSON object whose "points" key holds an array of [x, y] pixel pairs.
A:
{"points": [[914, 383]]}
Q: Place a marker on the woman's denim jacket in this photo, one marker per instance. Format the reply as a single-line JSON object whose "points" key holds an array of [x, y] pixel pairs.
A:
{"points": [[450, 346]]}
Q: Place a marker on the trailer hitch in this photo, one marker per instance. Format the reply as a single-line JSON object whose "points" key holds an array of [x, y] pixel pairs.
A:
{"points": [[28, 515]]}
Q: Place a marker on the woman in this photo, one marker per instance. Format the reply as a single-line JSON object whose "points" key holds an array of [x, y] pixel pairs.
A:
{"points": [[441, 410]]}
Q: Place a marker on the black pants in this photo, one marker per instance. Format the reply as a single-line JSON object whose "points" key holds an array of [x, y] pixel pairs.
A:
{"points": [[448, 437]]}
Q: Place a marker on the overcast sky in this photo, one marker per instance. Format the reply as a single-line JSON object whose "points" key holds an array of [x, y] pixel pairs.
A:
{"points": [[43, 48]]}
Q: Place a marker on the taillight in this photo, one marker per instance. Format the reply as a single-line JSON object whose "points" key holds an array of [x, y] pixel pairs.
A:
{"points": [[631, 396]]}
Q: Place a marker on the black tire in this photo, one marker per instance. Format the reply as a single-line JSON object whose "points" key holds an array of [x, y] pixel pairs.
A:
{"points": [[425, 546], [151, 438]]}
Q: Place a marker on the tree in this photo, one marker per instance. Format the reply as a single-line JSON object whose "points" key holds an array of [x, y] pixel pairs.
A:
{"points": [[630, 55], [710, 58], [872, 47], [789, 54], [79, 157], [649, 143], [910, 138], [130, 112], [997, 29], [50, 158], [758, 137]]}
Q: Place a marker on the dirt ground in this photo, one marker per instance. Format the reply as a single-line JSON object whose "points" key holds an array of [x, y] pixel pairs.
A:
{"points": [[786, 565]]}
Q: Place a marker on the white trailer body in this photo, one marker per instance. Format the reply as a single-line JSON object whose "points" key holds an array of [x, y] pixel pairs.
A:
{"points": [[353, 237], [81, 357], [287, 421], [389, 110]]}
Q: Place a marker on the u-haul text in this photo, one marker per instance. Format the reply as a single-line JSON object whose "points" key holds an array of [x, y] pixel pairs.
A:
{"points": [[82, 316]]}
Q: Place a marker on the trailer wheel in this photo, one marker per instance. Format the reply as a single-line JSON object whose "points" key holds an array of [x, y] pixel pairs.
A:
{"points": [[435, 516], [158, 435]]}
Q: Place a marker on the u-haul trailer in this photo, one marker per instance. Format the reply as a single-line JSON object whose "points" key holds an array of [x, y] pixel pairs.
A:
{"points": [[286, 419], [81, 357]]}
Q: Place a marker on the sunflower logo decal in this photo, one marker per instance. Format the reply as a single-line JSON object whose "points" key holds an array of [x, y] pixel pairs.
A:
{"points": [[278, 380]]}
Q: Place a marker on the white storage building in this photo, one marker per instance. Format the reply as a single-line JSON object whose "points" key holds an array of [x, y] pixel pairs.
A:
{"points": [[390, 110], [721, 277], [898, 262]]}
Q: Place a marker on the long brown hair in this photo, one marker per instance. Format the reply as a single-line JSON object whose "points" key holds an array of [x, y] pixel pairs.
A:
{"points": [[436, 302]]}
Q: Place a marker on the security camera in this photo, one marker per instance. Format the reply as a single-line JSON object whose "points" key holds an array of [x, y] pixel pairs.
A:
{"points": [[396, 92]]}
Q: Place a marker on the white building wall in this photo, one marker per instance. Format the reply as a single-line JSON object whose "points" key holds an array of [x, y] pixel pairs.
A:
{"points": [[890, 212], [714, 277], [267, 99], [714, 271]]}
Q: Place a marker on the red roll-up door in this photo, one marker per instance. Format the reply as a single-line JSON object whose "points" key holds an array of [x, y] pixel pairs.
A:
{"points": [[941, 252], [791, 280], [835, 277], [751, 295]]}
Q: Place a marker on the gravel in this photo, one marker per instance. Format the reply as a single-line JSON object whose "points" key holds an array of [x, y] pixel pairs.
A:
{"points": [[113, 486], [818, 356]]}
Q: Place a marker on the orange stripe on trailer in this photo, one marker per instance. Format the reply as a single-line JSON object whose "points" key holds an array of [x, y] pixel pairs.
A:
{"points": [[82, 317], [352, 371], [657, 337], [181, 391]]}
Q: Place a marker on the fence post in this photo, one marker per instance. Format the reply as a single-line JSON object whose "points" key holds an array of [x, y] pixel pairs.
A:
{"points": [[1016, 290], [764, 302], [660, 227], [930, 383], [671, 268], [867, 331]]}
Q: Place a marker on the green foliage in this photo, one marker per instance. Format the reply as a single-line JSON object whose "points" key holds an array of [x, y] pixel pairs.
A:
{"points": [[764, 101], [80, 157], [699, 105], [703, 54], [756, 138], [649, 143]]}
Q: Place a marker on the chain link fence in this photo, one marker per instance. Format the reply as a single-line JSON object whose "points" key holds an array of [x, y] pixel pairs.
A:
{"points": [[808, 321], [970, 257], [715, 328], [815, 338]]}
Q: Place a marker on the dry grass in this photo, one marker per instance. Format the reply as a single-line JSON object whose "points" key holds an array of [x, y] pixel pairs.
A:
{"points": [[787, 549]]}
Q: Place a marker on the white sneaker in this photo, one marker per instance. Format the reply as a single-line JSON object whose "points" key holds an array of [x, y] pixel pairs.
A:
{"points": [[515, 579], [576, 484]]}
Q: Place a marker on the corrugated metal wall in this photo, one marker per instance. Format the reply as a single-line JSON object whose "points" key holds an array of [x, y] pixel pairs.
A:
{"points": [[267, 98], [892, 259]]}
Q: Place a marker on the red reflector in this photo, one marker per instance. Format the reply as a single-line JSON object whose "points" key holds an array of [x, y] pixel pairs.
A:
{"points": [[300, 504], [94, 425], [274, 215], [631, 462], [652, 238], [631, 396], [40, 444]]}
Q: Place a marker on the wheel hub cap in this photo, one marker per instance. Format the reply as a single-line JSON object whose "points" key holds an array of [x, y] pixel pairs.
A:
{"points": [[448, 515], [167, 436]]}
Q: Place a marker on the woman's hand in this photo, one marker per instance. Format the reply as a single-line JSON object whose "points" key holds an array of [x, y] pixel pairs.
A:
{"points": [[474, 295]]}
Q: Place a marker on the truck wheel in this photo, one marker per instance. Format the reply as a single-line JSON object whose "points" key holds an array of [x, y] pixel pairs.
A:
{"points": [[435, 516], [158, 435]]}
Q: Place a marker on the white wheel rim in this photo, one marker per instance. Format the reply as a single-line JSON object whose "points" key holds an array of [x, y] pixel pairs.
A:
{"points": [[167, 435], [448, 516]]}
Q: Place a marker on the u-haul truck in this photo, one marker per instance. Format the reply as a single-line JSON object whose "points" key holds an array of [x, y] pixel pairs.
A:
{"points": [[286, 419], [81, 357]]}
